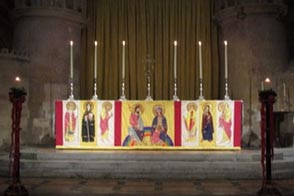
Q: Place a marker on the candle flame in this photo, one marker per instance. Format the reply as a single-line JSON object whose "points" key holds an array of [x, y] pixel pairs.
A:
{"points": [[17, 79], [175, 43], [199, 43], [95, 43], [71, 43], [123, 42], [267, 80], [225, 42]]}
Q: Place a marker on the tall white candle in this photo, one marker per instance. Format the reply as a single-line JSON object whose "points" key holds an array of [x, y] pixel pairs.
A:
{"points": [[123, 59], [284, 89], [175, 59], [95, 60], [226, 59], [200, 60], [71, 59]]}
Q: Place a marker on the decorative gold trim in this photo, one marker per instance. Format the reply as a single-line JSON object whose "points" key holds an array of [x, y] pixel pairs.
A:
{"points": [[171, 148]]}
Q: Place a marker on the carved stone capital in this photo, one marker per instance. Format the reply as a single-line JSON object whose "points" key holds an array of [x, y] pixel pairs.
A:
{"points": [[12, 54], [70, 10], [241, 9], [68, 15]]}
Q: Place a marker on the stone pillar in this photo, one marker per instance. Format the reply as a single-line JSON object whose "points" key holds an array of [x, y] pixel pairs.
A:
{"points": [[43, 28], [256, 48]]}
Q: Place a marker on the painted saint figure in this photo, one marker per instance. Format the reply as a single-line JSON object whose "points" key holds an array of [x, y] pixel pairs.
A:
{"points": [[88, 123], [70, 121], [104, 119], [225, 119], [190, 120], [136, 130], [207, 124], [159, 126]]}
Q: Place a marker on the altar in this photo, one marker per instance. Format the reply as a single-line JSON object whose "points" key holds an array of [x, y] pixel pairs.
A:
{"points": [[148, 124], [185, 124]]}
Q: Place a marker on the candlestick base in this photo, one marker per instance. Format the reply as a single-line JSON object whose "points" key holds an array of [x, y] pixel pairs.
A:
{"points": [[71, 97], [227, 97], [95, 97], [122, 98], [269, 189], [16, 189], [148, 98], [201, 97], [176, 98]]}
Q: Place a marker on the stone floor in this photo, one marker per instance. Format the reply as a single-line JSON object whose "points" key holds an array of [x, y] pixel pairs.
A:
{"points": [[115, 187]]}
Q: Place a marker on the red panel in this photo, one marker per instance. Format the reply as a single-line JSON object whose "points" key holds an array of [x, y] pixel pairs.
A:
{"points": [[58, 123], [237, 123], [177, 121], [118, 124]]}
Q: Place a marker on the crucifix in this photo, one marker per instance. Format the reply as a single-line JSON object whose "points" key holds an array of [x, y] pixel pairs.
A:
{"points": [[149, 68]]}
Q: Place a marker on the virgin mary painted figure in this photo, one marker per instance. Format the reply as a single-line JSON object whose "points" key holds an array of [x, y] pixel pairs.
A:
{"points": [[207, 124]]}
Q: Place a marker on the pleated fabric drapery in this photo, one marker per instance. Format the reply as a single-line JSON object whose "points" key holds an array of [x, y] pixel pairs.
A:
{"points": [[149, 28]]}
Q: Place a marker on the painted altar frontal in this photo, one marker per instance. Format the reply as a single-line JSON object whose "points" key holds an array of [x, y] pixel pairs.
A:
{"points": [[108, 124]]}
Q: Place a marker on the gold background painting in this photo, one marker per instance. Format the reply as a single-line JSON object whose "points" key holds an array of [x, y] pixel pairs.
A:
{"points": [[213, 111], [147, 116], [94, 110]]}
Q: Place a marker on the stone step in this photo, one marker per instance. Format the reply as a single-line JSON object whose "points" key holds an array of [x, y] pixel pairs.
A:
{"points": [[141, 175], [148, 164], [153, 155], [140, 168]]}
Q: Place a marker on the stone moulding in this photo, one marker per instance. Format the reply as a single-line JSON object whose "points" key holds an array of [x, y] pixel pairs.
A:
{"points": [[13, 54], [78, 6], [64, 14], [241, 11]]}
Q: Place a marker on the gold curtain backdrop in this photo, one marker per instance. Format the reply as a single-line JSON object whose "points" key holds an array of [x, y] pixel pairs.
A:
{"points": [[150, 27]]}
